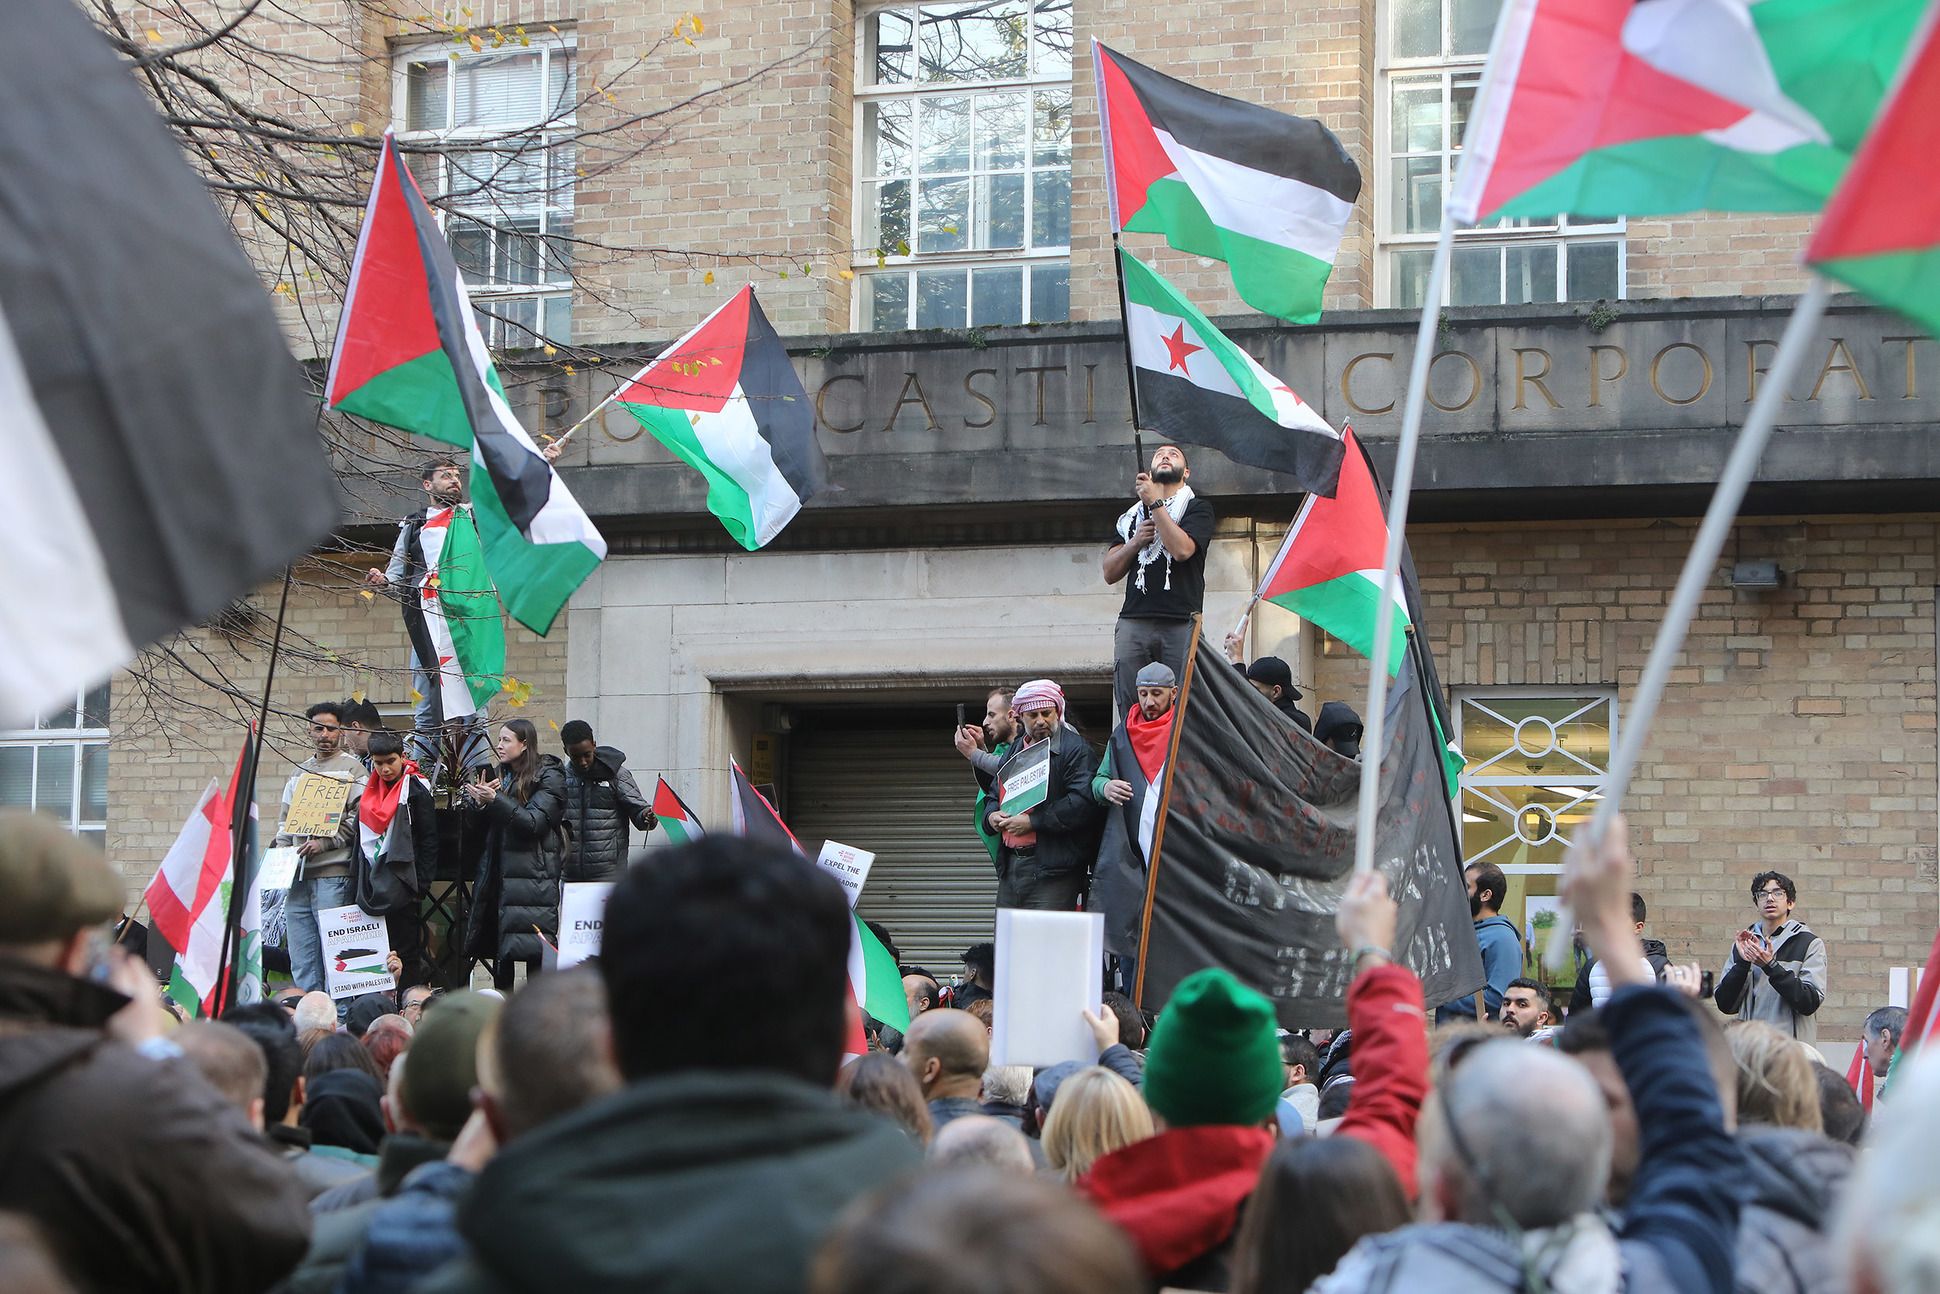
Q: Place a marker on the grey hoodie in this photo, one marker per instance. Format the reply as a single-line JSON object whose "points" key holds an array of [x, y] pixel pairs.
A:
{"points": [[1786, 995]]}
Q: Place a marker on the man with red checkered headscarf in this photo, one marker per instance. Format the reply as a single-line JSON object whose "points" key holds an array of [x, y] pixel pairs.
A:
{"points": [[1047, 850]]}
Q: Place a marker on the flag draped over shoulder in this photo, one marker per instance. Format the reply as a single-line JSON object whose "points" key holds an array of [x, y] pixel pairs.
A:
{"points": [[675, 818], [1599, 108], [1196, 385], [725, 401], [454, 619], [409, 355], [1267, 193], [1881, 231], [1255, 845], [158, 456], [188, 897]]}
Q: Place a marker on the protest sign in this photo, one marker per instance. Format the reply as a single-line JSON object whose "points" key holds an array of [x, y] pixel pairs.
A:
{"points": [[1050, 970], [278, 871], [846, 864], [355, 948], [316, 805], [1025, 779], [582, 918]]}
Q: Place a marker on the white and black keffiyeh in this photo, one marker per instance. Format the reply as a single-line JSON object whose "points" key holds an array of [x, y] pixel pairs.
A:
{"points": [[1135, 516]]}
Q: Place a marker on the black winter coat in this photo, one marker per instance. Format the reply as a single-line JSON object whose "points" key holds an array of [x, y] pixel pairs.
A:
{"points": [[1069, 822], [520, 866], [601, 804]]}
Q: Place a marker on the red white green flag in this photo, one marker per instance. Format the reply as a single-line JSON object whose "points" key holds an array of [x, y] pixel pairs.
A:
{"points": [[1881, 231], [1267, 193], [188, 897], [409, 355], [675, 818], [1602, 108], [457, 614], [1328, 570], [875, 981]]}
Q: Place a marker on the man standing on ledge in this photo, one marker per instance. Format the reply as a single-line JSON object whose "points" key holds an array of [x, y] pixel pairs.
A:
{"points": [[1162, 542]]}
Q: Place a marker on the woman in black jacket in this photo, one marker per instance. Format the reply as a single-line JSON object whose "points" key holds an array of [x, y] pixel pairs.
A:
{"points": [[523, 809]]}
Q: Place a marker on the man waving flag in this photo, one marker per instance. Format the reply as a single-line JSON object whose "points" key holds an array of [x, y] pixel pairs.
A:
{"points": [[409, 355]]}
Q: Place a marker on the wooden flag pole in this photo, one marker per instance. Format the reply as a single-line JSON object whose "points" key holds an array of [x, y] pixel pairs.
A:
{"points": [[1374, 719], [1700, 565]]}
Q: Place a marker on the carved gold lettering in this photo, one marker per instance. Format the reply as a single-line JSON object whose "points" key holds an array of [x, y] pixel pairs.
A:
{"points": [[1598, 377], [1850, 367], [979, 397], [633, 425], [821, 393], [1040, 370], [1474, 380], [1912, 375], [1524, 378], [1347, 381], [1704, 383], [911, 383], [1753, 369], [1091, 392]]}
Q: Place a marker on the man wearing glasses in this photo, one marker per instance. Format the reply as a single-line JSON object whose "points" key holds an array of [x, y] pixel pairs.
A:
{"points": [[1775, 971], [323, 879], [416, 999]]}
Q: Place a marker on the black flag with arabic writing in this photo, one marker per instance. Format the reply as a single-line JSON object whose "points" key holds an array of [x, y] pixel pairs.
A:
{"points": [[1255, 845]]}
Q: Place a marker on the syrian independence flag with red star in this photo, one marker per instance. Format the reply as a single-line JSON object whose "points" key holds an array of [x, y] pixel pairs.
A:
{"points": [[409, 355], [1197, 386]]}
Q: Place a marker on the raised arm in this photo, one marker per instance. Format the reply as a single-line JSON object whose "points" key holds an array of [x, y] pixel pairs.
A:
{"points": [[1384, 1009]]}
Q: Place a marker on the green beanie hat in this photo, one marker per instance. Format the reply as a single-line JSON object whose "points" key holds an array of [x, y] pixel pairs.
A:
{"points": [[1215, 1054], [441, 1065]]}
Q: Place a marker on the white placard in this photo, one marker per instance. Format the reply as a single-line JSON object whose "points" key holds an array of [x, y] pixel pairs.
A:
{"points": [[355, 948], [848, 865], [582, 918], [278, 871], [1050, 969]]}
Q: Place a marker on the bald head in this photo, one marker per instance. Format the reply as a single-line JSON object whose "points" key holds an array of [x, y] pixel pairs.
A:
{"points": [[1534, 1139], [948, 1052]]}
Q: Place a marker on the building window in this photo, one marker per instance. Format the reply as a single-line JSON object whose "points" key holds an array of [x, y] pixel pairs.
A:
{"points": [[1434, 54], [502, 122], [1536, 768], [963, 129], [60, 766]]}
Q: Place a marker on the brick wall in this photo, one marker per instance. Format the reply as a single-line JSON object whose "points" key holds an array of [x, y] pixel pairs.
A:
{"points": [[1797, 732], [172, 732]]}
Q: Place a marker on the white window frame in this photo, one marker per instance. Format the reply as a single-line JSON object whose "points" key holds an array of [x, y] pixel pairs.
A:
{"points": [[1591, 783], [1389, 242], [561, 129], [76, 740], [865, 263]]}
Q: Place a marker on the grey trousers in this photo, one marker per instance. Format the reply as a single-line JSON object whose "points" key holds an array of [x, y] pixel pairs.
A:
{"points": [[1137, 643]]}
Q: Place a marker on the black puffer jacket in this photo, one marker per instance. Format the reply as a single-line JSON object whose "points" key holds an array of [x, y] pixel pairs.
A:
{"points": [[521, 864], [1791, 1194], [601, 804]]}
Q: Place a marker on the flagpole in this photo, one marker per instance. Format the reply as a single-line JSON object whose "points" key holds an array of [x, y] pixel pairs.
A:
{"points": [[1699, 567], [246, 785], [1374, 721], [1125, 331], [566, 435]]}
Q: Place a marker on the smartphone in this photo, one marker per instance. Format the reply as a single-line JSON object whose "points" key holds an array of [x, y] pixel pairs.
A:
{"points": [[959, 714], [1705, 984]]}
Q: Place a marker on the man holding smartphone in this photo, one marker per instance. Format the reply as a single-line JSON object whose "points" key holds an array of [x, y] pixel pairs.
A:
{"points": [[1776, 970], [986, 747]]}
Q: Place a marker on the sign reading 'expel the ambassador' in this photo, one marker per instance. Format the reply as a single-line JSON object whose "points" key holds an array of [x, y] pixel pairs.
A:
{"points": [[848, 865], [355, 948], [582, 920]]}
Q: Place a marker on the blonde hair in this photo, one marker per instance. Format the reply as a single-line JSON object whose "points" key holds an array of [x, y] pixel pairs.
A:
{"points": [[1775, 1080], [1095, 1113]]}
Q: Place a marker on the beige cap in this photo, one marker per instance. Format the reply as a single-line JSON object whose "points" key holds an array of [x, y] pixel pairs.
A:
{"points": [[51, 884]]}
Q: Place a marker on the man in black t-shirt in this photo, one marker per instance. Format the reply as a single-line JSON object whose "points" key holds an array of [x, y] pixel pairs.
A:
{"points": [[1162, 542]]}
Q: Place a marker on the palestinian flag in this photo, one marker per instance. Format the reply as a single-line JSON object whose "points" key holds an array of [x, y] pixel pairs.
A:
{"points": [[1921, 1018], [1328, 570], [676, 819], [1598, 108], [1195, 385], [454, 618], [188, 897], [754, 817], [1138, 751], [725, 401], [1881, 230], [1267, 193], [875, 982], [409, 355], [159, 457]]}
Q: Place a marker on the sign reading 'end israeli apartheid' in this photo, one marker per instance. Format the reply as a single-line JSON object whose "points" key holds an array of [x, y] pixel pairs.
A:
{"points": [[355, 948], [582, 920]]}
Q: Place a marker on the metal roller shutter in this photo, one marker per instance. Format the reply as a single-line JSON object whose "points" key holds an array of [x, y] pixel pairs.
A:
{"points": [[904, 794]]}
